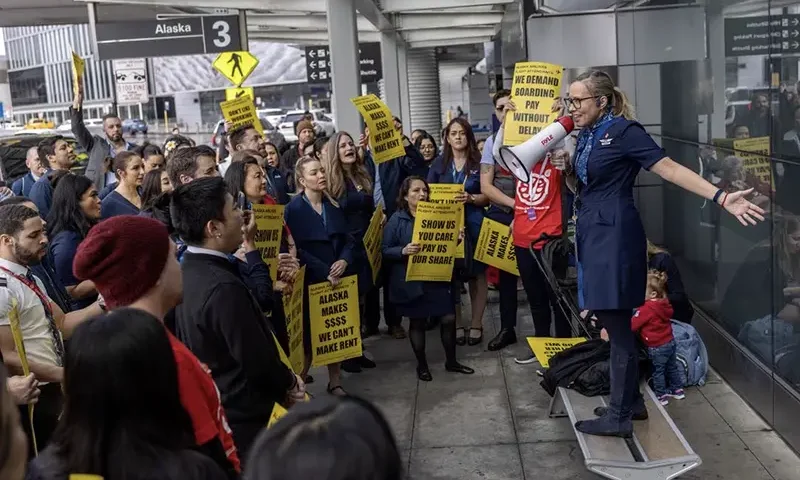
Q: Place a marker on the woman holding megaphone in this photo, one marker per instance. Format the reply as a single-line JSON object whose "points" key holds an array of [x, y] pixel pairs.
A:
{"points": [[611, 243]]}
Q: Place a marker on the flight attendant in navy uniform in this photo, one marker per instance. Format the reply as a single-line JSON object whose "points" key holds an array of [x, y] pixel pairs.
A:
{"points": [[611, 242]]}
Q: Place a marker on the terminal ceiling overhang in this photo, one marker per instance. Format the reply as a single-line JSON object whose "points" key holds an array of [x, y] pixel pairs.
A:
{"points": [[417, 23]]}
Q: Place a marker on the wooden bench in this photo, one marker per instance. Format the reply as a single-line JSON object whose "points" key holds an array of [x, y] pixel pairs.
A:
{"points": [[657, 451]]}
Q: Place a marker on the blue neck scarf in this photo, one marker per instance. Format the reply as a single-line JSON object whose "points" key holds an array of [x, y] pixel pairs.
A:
{"points": [[585, 142]]}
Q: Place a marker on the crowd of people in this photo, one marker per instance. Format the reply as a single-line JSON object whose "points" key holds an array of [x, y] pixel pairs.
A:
{"points": [[156, 337]]}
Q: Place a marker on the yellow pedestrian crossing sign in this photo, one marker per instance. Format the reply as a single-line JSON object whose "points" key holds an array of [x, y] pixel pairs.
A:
{"points": [[235, 66], [236, 92]]}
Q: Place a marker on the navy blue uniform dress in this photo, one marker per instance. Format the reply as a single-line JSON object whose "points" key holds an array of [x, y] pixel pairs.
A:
{"points": [[115, 204], [358, 207], [473, 214], [612, 251], [321, 240], [612, 246], [411, 299]]}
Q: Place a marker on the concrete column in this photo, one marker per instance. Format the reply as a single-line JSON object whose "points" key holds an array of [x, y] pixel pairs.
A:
{"points": [[345, 68], [391, 77], [715, 30], [405, 97]]}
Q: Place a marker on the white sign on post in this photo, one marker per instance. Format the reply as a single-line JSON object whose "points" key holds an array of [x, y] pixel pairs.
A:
{"points": [[130, 75]]}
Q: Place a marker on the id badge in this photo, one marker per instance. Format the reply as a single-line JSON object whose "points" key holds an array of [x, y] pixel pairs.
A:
{"points": [[531, 213]]}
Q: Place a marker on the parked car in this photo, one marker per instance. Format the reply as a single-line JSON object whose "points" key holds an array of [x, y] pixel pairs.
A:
{"points": [[14, 148], [273, 115], [273, 135], [323, 124], [38, 123], [134, 126], [65, 127]]}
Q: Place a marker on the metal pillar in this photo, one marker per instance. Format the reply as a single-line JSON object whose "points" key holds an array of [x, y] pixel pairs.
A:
{"points": [[345, 68], [405, 97], [391, 77]]}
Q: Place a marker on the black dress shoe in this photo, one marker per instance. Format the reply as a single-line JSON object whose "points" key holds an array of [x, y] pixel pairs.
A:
{"points": [[458, 368], [424, 374], [461, 337], [640, 415], [364, 362], [503, 339], [472, 341], [351, 366]]}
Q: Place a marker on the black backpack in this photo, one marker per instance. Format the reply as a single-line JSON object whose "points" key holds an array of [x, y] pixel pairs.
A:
{"points": [[583, 368]]}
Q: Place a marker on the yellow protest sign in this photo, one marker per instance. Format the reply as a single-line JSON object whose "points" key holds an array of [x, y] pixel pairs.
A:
{"points": [[495, 247], [236, 92], [335, 321], [19, 345], [293, 310], [445, 193], [385, 141], [235, 66], [545, 347], [534, 89], [435, 230], [278, 412], [84, 476], [754, 153], [78, 67], [241, 111], [269, 229], [373, 238]]}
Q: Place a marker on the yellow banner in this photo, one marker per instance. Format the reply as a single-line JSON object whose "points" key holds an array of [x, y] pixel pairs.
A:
{"points": [[293, 309], [278, 412], [545, 347], [534, 89], [84, 476], [335, 321], [78, 67], [384, 139], [373, 238], [269, 230], [495, 247], [435, 230], [241, 111], [754, 153], [445, 193]]}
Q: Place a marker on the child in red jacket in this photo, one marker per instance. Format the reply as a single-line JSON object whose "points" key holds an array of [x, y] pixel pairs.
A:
{"points": [[652, 322]]}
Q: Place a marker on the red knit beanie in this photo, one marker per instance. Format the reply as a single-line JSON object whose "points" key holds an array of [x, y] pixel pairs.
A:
{"points": [[124, 256]]}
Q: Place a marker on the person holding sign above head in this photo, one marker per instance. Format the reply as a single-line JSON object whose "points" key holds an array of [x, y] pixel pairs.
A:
{"points": [[125, 199], [611, 243], [459, 164], [324, 242], [223, 324], [418, 300], [350, 184], [537, 213], [123, 416]]}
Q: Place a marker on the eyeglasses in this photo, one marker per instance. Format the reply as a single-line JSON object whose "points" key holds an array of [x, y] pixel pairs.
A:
{"points": [[575, 102]]}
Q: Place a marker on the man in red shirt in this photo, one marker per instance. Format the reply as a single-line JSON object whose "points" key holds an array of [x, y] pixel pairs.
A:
{"points": [[132, 262], [533, 210]]}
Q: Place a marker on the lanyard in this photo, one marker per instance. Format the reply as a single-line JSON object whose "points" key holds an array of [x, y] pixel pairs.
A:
{"points": [[32, 285]]}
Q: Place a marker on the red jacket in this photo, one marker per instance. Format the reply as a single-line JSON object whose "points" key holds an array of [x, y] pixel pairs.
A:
{"points": [[652, 321]]}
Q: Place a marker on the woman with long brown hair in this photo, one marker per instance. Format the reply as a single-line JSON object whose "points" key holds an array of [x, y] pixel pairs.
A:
{"points": [[350, 184], [460, 164]]}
